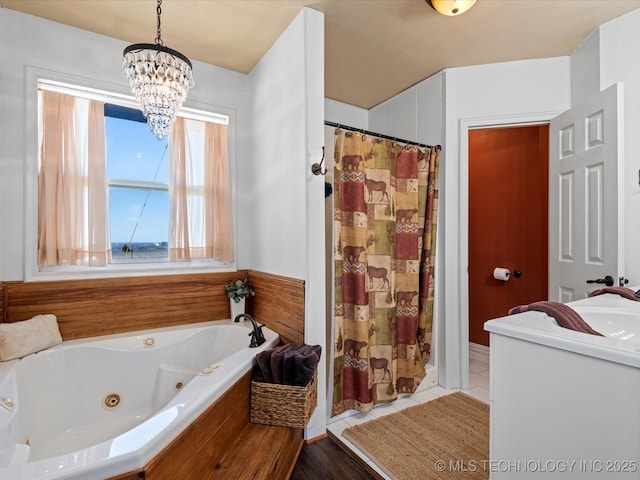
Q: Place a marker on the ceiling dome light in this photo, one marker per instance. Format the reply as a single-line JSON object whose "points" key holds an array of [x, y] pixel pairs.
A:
{"points": [[451, 8], [159, 78]]}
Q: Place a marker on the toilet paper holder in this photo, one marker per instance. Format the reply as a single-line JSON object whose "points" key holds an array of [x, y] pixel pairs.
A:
{"points": [[504, 274]]}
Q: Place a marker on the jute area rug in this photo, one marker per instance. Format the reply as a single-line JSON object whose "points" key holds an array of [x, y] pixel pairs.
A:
{"points": [[445, 438]]}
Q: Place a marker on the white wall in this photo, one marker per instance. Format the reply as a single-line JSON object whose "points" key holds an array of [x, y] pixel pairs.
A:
{"points": [[286, 201], [315, 332], [619, 47], [585, 69], [345, 114], [277, 166], [415, 114], [30, 45]]}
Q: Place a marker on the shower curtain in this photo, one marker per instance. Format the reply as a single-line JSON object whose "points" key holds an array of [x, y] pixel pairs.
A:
{"points": [[385, 210]]}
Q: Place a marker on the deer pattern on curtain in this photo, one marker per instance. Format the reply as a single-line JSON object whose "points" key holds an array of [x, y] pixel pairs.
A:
{"points": [[384, 248]]}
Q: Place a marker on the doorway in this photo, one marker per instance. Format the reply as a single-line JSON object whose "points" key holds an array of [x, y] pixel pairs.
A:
{"points": [[508, 221]]}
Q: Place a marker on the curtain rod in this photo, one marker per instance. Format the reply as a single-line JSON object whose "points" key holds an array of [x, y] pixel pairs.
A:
{"points": [[379, 135]]}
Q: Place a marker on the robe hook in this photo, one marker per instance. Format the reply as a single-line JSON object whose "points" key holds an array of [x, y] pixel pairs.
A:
{"points": [[316, 168]]}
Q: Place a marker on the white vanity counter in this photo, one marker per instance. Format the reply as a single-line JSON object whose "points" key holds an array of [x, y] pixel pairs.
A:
{"points": [[566, 404]]}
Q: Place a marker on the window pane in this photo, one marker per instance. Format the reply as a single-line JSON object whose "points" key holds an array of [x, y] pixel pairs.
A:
{"points": [[134, 153], [139, 224]]}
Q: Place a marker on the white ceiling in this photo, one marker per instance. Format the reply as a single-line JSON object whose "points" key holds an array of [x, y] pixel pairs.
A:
{"points": [[374, 49]]}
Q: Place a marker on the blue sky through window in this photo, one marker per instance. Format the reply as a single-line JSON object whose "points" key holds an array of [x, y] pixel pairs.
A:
{"points": [[134, 153], [131, 224]]}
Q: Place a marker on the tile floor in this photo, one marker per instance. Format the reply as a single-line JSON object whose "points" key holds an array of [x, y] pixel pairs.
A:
{"points": [[478, 388]]}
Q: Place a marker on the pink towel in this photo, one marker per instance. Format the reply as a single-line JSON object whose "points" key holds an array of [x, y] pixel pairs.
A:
{"points": [[622, 291], [566, 317]]}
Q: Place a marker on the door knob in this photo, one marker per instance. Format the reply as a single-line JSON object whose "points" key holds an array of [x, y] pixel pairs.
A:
{"points": [[608, 281]]}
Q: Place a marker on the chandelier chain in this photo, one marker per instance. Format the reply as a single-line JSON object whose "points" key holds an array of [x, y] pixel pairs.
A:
{"points": [[159, 12]]}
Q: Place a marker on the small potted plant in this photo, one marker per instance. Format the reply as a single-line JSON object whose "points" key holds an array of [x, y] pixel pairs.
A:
{"points": [[238, 292]]}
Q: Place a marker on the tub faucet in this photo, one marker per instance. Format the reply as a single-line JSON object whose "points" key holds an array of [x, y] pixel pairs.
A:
{"points": [[257, 337]]}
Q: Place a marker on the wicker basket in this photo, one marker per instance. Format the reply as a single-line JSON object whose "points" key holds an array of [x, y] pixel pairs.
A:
{"points": [[283, 405]]}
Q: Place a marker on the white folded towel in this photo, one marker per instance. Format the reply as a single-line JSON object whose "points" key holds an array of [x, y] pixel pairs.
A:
{"points": [[18, 339]]}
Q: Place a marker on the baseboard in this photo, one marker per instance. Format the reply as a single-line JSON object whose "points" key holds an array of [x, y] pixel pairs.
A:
{"points": [[316, 431], [478, 352], [309, 441]]}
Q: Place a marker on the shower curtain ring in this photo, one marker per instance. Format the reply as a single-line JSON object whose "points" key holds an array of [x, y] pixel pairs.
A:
{"points": [[316, 168]]}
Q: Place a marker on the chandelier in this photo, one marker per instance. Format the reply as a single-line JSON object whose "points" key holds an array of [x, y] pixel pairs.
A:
{"points": [[159, 78]]}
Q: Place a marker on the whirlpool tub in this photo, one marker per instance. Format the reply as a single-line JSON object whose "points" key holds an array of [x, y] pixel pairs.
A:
{"points": [[104, 406], [565, 404]]}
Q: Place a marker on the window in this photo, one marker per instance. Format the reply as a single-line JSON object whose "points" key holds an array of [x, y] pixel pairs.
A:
{"points": [[138, 179], [110, 194]]}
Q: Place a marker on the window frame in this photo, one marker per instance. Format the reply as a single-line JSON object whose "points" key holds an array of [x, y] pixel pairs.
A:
{"points": [[109, 94]]}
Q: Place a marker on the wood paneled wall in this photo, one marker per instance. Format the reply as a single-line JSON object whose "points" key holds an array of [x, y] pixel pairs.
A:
{"points": [[2, 302], [279, 304], [87, 308]]}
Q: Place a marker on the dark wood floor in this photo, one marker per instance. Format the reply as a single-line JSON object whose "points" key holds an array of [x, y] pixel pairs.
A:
{"points": [[324, 460]]}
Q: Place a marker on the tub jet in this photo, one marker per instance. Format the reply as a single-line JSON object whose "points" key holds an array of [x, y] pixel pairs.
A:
{"points": [[6, 403], [111, 401]]}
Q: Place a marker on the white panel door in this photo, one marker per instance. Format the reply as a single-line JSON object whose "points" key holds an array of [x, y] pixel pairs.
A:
{"points": [[585, 196]]}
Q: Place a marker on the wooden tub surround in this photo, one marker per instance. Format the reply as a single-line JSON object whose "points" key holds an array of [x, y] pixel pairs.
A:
{"points": [[253, 451], [221, 443], [89, 308]]}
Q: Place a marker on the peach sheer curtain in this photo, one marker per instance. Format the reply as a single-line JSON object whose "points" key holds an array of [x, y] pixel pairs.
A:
{"points": [[201, 225], [72, 193]]}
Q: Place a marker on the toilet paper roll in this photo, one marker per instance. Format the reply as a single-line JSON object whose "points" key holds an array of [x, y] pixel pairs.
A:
{"points": [[500, 273]]}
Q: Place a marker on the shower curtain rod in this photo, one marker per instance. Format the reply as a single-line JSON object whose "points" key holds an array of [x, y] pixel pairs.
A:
{"points": [[379, 135]]}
